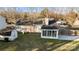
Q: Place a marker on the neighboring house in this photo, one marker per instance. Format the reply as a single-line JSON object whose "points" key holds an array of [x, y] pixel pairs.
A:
{"points": [[29, 26], [76, 23], [33, 26], [7, 33]]}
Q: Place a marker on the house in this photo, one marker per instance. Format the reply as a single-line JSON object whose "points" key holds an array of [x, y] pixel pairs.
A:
{"points": [[60, 30], [53, 31], [76, 23], [33, 26], [49, 31], [76, 26], [57, 32], [29, 26]]}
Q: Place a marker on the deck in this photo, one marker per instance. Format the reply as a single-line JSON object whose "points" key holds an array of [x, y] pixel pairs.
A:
{"points": [[64, 37]]}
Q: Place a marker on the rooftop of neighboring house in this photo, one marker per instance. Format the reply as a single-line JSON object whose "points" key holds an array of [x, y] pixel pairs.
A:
{"points": [[76, 23], [51, 22], [6, 31], [24, 22], [29, 22], [36, 21]]}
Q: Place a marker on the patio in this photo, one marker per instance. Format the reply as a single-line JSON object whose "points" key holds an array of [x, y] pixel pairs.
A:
{"points": [[65, 37]]}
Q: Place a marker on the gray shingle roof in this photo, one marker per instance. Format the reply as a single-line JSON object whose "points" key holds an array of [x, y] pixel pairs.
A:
{"points": [[49, 27]]}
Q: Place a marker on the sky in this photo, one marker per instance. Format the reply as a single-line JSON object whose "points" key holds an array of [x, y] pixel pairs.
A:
{"points": [[29, 9], [39, 9]]}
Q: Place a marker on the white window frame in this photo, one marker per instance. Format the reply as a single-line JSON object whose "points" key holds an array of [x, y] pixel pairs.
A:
{"points": [[52, 37]]}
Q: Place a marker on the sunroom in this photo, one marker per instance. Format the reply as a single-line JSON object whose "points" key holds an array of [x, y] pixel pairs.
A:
{"points": [[49, 32], [55, 32]]}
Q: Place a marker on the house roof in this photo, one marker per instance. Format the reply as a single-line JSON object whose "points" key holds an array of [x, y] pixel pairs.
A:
{"points": [[38, 22], [24, 22], [28, 22], [76, 22], [52, 22], [49, 27], [6, 31]]}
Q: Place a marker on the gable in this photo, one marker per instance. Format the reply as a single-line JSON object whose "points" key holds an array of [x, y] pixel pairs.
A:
{"points": [[76, 22]]}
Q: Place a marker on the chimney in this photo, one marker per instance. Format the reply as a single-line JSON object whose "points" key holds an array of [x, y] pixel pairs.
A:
{"points": [[46, 21]]}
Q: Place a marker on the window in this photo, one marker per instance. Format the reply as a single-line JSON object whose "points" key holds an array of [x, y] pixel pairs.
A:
{"points": [[44, 33], [49, 33], [54, 33]]}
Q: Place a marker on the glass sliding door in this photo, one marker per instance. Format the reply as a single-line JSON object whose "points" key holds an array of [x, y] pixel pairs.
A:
{"points": [[49, 33], [54, 33], [44, 33]]}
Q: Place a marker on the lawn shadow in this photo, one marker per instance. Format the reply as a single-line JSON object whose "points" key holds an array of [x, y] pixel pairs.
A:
{"points": [[76, 48], [32, 42], [55, 44]]}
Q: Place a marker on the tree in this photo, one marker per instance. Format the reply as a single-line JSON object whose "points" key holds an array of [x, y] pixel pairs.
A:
{"points": [[70, 17], [45, 12]]}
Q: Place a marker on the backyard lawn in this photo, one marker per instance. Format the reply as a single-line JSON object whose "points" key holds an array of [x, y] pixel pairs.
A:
{"points": [[33, 42]]}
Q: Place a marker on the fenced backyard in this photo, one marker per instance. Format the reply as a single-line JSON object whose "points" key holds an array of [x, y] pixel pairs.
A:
{"points": [[33, 42]]}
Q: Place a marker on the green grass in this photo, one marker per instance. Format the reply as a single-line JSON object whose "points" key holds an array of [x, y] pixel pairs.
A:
{"points": [[33, 42]]}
